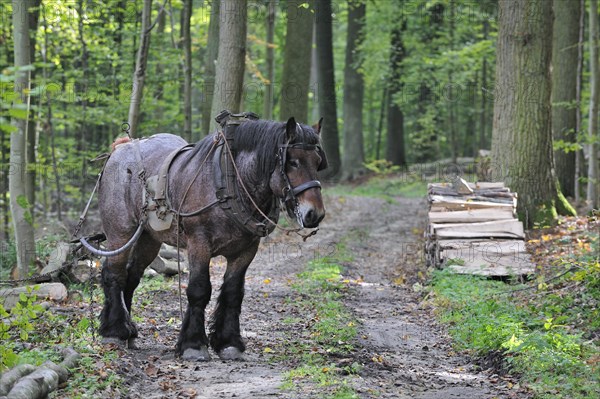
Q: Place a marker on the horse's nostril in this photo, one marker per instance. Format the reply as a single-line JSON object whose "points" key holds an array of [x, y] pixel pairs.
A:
{"points": [[312, 218]]}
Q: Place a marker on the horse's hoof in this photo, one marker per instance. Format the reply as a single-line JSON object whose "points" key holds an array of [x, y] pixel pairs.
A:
{"points": [[121, 343], [231, 353], [196, 355]]}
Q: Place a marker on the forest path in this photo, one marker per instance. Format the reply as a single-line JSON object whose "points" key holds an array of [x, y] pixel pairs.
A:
{"points": [[403, 352]]}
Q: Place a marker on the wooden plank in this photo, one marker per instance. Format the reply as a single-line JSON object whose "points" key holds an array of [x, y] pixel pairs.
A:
{"points": [[485, 257], [508, 199], [512, 228], [472, 215], [441, 203], [488, 264], [502, 244], [478, 185]]}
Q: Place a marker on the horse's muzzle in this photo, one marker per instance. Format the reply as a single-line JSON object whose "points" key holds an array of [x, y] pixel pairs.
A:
{"points": [[312, 218]]}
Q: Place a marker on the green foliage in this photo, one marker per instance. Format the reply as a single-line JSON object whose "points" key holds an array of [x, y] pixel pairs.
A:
{"points": [[553, 359], [17, 324]]}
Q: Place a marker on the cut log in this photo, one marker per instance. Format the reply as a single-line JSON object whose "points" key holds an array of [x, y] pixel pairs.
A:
{"points": [[461, 186], [494, 229], [473, 215], [9, 378], [167, 267], [29, 382], [56, 258], [36, 385], [53, 291]]}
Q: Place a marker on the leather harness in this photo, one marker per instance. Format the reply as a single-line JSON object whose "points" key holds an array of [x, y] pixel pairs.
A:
{"points": [[229, 198]]}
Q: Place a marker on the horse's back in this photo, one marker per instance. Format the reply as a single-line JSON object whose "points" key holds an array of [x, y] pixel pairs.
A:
{"points": [[120, 191]]}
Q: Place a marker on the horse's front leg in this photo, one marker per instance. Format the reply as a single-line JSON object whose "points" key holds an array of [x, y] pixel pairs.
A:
{"points": [[193, 342], [225, 337]]}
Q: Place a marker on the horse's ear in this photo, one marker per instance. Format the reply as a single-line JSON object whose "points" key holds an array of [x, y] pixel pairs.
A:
{"points": [[317, 126], [290, 129]]}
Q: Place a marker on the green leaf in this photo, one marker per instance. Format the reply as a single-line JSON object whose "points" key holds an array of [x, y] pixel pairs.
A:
{"points": [[22, 297], [22, 202], [8, 128], [18, 113]]}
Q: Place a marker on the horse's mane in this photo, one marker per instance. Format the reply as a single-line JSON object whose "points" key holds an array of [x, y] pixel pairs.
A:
{"points": [[261, 137]]}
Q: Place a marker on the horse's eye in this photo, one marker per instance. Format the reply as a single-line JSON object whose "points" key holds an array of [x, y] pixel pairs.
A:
{"points": [[294, 163]]}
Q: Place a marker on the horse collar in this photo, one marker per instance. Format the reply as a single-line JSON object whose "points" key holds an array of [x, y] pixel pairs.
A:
{"points": [[230, 198]]}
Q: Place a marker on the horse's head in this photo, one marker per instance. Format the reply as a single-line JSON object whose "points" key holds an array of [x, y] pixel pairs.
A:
{"points": [[295, 177]]}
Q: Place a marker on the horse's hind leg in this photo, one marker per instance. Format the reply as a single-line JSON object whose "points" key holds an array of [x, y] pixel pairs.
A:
{"points": [[225, 337], [115, 322], [144, 252], [120, 276]]}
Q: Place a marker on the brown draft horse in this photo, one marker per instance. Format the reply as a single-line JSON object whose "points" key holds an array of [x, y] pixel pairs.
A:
{"points": [[275, 160]]}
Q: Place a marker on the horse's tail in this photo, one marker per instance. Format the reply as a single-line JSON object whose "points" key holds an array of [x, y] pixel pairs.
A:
{"points": [[120, 140]]}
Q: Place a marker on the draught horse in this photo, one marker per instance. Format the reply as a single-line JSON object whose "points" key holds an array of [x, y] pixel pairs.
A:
{"points": [[260, 163]]}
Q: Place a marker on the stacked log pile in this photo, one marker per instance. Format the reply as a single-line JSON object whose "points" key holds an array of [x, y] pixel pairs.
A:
{"points": [[472, 229]]}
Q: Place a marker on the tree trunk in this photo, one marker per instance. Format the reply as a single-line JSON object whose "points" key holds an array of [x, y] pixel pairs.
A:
{"points": [[187, 69], [564, 88], [579, 87], [483, 115], [395, 152], [353, 155], [49, 127], [19, 207], [270, 60], [522, 135], [296, 63], [139, 75], [231, 61], [160, 70], [32, 137], [592, 185], [326, 86], [210, 63]]}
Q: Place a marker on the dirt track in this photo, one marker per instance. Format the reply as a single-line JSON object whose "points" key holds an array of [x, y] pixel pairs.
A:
{"points": [[402, 351]]}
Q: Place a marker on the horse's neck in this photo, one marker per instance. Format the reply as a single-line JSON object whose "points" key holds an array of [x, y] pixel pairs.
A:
{"points": [[258, 188]]}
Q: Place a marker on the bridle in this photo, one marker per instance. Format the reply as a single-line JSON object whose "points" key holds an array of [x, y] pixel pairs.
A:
{"points": [[290, 193]]}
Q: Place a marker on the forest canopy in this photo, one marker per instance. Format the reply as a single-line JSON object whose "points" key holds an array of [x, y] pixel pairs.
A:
{"points": [[419, 75]]}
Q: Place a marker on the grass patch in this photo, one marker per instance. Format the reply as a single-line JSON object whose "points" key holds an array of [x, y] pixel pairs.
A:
{"points": [[554, 360], [326, 333], [386, 187]]}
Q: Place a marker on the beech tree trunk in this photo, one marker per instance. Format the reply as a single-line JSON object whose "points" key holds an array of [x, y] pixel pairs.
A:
{"points": [[32, 137], [139, 76], [296, 64], [592, 186], [564, 88], [270, 60], [395, 152], [231, 61], [187, 70], [522, 135], [578, 91], [326, 88], [354, 154], [20, 208], [210, 62]]}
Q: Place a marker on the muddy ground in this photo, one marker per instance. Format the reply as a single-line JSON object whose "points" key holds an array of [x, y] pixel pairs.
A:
{"points": [[403, 351]]}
